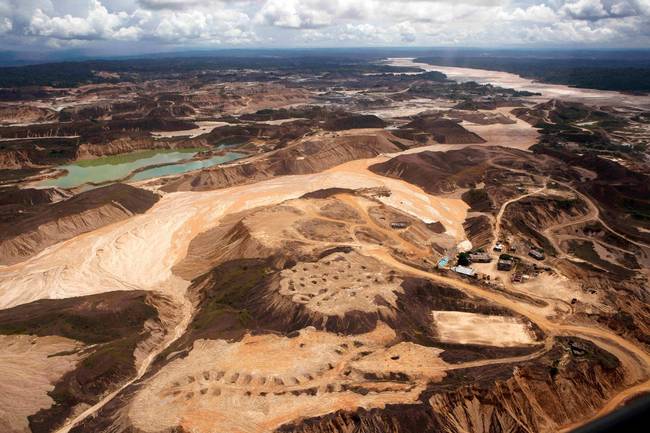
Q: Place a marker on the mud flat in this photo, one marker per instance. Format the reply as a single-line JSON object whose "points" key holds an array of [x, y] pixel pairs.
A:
{"points": [[204, 127], [411, 107], [519, 135]]}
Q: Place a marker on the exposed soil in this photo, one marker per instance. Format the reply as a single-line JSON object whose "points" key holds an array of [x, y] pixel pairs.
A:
{"points": [[443, 131], [298, 290], [110, 325], [48, 223], [436, 172]]}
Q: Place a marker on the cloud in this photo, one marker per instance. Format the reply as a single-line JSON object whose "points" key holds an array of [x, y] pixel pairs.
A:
{"points": [[536, 14], [98, 23], [169, 4], [292, 14], [324, 23], [228, 26], [5, 25], [406, 32], [585, 10]]}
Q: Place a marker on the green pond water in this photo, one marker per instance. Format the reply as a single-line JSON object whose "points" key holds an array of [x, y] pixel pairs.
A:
{"points": [[116, 167]]}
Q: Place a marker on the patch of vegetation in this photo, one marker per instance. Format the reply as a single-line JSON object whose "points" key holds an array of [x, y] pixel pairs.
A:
{"points": [[91, 319], [585, 251], [113, 322], [477, 199], [463, 259], [225, 291]]}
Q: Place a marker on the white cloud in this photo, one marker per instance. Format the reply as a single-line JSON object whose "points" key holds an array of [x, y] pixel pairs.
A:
{"points": [[585, 10], [98, 23], [406, 32], [229, 26], [292, 14], [168, 4], [326, 23], [5, 25], [535, 13]]}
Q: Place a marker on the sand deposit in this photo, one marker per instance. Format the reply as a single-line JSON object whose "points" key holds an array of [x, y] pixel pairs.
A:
{"points": [[513, 81], [223, 386], [471, 328], [29, 367], [203, 127], [518, 135], [140, 252], [340, 283]]}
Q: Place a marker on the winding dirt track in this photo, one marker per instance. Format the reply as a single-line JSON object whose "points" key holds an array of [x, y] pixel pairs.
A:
{"points": [[635, 360], [499, 218], [593, 215]]}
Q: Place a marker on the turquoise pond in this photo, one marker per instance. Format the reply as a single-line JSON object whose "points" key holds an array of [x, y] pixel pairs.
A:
{"points": [[116, 167]]}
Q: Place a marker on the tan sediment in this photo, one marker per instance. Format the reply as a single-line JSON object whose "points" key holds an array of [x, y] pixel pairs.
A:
{"points": [[223, 386], [518, 135], [203, 127], [513, 81], [341, 283], [471, 328], [139, 253], [29, 368]]}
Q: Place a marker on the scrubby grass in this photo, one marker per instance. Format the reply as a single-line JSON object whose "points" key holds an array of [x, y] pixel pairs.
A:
{"points": [[113, 322], [226, 289], [90, 319], [585, 251]]}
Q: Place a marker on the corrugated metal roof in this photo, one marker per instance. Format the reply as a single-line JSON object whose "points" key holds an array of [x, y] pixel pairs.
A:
{"points": [[465, 270]]}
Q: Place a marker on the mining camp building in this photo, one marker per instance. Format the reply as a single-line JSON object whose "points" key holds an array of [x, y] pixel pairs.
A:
{"points": [[505, 264], [480, 258], [464, 270]]}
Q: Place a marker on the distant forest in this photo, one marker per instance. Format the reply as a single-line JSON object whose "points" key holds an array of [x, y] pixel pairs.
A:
{"points": [[626, 71], [70, 74], [594, 73]]}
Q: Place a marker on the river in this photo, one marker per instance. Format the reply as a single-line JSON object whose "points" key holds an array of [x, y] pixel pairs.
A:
{"points": [[513, 81]]}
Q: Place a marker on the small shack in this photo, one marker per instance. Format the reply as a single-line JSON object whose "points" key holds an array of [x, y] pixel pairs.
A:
{"points": [[505, 264], [536, 254], [480, 257]]}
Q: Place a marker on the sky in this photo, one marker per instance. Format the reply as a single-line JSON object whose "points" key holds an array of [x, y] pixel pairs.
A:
{"points": [[139, 26]]}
